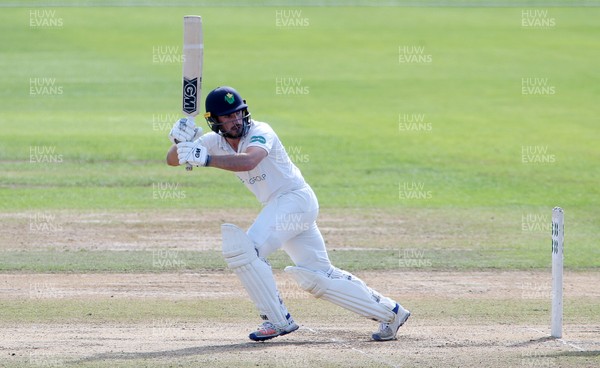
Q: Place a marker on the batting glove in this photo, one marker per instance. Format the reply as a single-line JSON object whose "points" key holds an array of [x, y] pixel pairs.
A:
{"points": [[184, 130], [193, 153]]}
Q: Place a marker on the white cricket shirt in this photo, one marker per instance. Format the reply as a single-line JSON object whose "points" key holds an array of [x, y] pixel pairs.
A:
{"points": [[274, 175]]}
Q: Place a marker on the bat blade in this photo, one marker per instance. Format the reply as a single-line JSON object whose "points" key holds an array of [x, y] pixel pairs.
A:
{"points": [[193, 53]]}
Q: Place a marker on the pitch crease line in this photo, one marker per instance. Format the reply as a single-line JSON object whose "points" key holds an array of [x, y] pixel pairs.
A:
{"points": [[564, 342]]}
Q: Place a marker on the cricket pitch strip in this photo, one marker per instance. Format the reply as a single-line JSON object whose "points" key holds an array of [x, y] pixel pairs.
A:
{"points": [[467, 319]]}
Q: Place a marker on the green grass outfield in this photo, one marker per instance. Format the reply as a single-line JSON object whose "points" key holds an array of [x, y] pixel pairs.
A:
{"points": [[94, 90]]}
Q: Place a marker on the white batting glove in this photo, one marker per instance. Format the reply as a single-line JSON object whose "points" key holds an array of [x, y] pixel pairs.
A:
{"points": [[193, 153], [184, 130]]}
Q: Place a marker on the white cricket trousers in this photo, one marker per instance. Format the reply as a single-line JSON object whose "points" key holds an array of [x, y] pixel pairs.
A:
{"points": [[289, 222]]}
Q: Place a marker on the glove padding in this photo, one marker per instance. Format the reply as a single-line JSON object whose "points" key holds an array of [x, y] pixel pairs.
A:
{"points": [[193, 153], [184, 130]]}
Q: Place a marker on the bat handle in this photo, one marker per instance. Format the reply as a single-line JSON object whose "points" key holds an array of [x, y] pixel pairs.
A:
{"points": [[188, 166]]}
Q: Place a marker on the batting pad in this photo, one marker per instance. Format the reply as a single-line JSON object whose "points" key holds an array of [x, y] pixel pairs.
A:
{"points": [[254, 273], [346, 290]]}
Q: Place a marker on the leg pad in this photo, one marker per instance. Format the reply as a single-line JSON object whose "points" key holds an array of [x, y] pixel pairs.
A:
{"points": [[254, 273], [345, 290]]}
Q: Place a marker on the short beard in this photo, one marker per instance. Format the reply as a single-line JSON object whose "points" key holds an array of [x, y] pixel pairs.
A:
{"points": [[236, 136]]}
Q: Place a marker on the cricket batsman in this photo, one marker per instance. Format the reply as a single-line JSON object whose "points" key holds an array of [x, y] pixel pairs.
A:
{"points": [[252, 150]]}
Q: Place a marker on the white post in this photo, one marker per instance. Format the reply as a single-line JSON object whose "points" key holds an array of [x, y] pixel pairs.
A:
{"points": [[558, 238]]}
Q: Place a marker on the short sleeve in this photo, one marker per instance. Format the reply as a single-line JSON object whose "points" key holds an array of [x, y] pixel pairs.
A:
{"points": [[262, 137]]}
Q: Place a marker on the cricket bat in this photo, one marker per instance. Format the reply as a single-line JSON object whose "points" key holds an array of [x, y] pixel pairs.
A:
{"points": [[193, 53]]}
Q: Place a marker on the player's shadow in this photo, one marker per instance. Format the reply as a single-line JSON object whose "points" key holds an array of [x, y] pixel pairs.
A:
{"points": [[576, 354], [198, 350], [587, 354], [534, 341]]}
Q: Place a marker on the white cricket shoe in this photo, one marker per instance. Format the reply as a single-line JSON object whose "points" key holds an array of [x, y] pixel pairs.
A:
{"points": [[387, 331], [267, 330]]}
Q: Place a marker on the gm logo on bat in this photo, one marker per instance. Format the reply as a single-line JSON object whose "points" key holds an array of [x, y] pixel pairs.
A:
{"points": [[190, 95]]}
